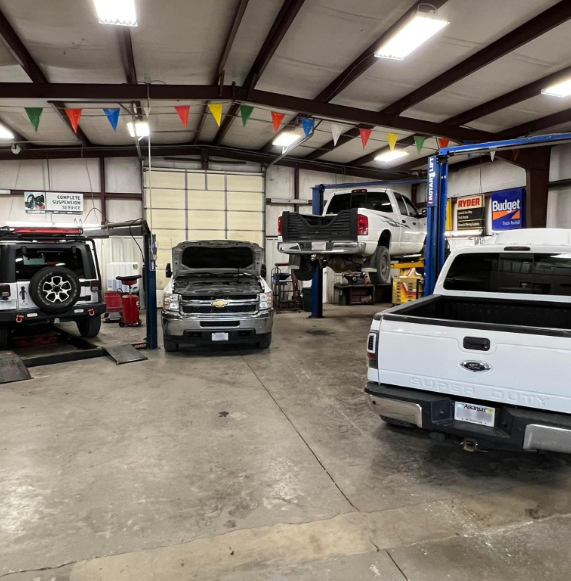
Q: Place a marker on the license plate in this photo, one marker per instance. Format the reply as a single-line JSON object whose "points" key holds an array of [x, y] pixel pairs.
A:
{"points": [[319, 246], [474, 413], [220, 336]]}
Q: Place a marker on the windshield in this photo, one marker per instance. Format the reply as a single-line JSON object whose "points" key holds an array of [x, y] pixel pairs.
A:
{"points": [[230, 259], [541, 274], [378, 201]]}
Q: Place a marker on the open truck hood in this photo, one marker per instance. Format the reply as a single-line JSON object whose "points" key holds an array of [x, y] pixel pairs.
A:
{"points": [[217, 256]]}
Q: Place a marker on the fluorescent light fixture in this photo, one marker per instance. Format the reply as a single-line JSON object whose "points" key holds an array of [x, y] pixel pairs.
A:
{"points": [[286, 138], [407, 39], [559, 90], [119, 12], [464, 233], [5, 133], [140, 129], [391, 155]]}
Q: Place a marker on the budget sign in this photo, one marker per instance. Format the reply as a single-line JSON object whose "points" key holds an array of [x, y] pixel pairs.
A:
{"points": [[507, 209]]}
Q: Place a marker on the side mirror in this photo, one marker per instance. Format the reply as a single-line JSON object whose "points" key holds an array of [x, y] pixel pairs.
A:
{"points": [[168, 270], [423, 213], [264, 271]]}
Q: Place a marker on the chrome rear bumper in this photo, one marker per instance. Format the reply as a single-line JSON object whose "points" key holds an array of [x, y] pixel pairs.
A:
{"points": [[396, 409], [330, 248], [538, 437]]}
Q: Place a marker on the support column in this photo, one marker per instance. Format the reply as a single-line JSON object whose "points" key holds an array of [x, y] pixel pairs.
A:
{"points": [[537, 187], [317, 285], [103, 190]]}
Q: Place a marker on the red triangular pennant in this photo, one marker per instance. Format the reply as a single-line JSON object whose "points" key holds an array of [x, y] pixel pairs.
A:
{"points": [[74, 115], [183, 112], [365, 134], [277, 119], [443, 141]]}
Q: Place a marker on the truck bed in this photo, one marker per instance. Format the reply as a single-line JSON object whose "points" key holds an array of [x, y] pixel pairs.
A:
{"points": [[302, 227], [494, 314]]}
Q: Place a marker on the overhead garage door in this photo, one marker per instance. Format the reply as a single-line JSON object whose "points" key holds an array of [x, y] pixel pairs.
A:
{"points": [[200, 205]]}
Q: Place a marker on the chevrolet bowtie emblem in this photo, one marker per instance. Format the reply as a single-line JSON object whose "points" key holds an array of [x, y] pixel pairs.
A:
{"points": [[219, 303]]}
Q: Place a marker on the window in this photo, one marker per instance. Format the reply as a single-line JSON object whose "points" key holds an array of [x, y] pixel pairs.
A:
{"points": [[30, 259], [412, 211], [401, 204], [541, 274], [378, 201]]}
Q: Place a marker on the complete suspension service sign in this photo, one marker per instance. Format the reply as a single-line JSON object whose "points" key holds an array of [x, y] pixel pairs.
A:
{"points": [[507, 209], [53, 203]]}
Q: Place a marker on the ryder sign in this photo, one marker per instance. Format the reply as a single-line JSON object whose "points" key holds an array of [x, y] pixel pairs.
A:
{"points": [[507, 209]]}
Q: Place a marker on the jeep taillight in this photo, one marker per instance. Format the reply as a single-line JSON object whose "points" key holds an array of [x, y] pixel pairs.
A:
{"points": [[95, 285], [4, 292], [362, 225], [280, 226]]}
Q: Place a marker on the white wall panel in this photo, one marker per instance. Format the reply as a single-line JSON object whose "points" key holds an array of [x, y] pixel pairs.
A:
{"points": [[205, 200], [206, 220], [162, 198], [124, 210], [123, 175], [172, 180], [247, 201], [245, 183]]}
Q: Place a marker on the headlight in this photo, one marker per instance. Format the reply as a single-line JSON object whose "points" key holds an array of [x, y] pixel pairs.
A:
{"points": [[171, 302], [266, 300]]}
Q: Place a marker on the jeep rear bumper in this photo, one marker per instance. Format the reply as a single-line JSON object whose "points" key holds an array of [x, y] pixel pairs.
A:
{"points": [[515, 428], [76, 313]]}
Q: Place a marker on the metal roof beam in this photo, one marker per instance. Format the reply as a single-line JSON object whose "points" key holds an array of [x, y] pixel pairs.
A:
{"points": [[530, 30], [281, 25], [85, 92]]}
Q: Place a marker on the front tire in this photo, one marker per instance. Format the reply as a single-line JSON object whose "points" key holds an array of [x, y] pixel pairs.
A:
{"points": [[170, 346], [265, 342], [306, 270], [4, 336], [89, 328], [382, 262]]}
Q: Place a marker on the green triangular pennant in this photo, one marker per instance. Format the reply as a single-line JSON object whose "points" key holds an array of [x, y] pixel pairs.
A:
{"points": [[34, 114], [419, 142], [245, 111]]}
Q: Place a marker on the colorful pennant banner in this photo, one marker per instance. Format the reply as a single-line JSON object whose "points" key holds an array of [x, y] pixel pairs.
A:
{"points": [[245, 112], [393, 138], [308, 125], [277, 119], [492, 154], [74, 115], [443, 142], [419, 142], [365, 134], [336, 131], [34, 114], [183, 112], [113, 117], [469, 142], [216, 110]]}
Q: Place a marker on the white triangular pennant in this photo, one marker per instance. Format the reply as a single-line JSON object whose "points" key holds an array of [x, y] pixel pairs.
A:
{"points": [[492, 154], [336, 132], [147, 110]]}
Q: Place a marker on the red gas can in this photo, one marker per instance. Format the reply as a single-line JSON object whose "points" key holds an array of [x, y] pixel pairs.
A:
{"points": [[131, 310]]}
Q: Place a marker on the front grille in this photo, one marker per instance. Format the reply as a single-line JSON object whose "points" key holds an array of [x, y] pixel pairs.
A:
{"points": [[217, 297], [207, 309], [220, 324]]}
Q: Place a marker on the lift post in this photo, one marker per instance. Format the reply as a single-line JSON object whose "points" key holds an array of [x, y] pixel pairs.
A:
{"points": [[437, 193], [317, 206]]}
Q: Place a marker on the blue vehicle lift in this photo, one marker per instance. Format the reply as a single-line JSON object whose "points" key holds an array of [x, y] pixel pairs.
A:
{"points": [[437, 193], [318, 204]]}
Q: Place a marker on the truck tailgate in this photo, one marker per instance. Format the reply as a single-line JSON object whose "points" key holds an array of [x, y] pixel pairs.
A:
{"points": [[300, 227], [525, 369]]}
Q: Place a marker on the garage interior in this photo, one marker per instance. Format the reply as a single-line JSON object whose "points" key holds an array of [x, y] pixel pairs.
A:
{"points": [[228, 462]]}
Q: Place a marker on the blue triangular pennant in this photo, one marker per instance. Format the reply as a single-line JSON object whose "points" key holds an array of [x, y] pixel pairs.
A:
{"points": [[307, 125], [113, 116], [469, 142]]}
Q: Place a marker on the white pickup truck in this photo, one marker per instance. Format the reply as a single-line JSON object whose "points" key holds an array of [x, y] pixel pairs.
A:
{"points": [[359, 230], [485, 359]]}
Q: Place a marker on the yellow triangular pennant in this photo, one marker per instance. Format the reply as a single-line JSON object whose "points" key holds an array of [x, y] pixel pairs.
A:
{"points": [[393, 138], [216, 110]]}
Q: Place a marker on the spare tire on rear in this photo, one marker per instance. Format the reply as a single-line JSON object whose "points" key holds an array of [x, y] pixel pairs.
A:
{"points": [[55, 289]]}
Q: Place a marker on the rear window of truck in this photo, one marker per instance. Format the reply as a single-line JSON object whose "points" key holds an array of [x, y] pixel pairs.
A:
{"points": [[541, 274], [30, 259], [379, 201]]}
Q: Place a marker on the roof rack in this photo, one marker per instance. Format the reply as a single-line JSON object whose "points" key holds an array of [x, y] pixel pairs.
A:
{"points": [[39, 232]]}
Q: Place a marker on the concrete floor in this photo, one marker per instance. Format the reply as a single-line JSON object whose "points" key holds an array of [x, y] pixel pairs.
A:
{"points": [[246, 465]]}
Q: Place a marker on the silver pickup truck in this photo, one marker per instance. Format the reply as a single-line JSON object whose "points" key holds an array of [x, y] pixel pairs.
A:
{"points": [[216, 295]]}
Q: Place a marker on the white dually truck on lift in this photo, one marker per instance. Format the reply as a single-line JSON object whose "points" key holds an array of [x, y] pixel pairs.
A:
{"points": [[485, 360]]}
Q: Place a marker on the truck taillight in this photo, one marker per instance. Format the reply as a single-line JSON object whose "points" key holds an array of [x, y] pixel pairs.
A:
{"points": [[372, 349], [4, 292], [280, 226], [362, 225]]}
